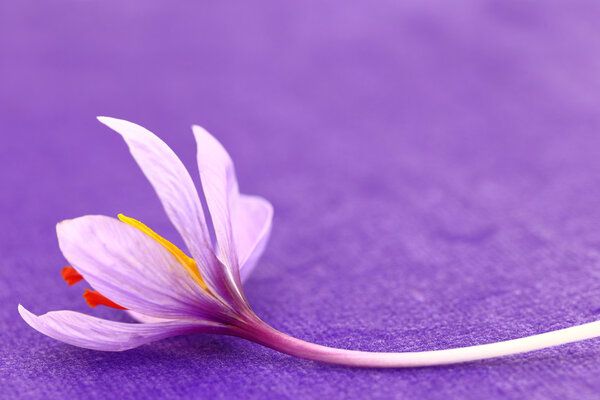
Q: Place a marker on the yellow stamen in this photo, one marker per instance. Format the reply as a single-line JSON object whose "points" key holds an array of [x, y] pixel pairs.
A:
{"points": [[188, 263]]}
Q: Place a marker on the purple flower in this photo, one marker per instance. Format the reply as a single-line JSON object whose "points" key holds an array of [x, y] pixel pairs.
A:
{"points": [[170, 293]]}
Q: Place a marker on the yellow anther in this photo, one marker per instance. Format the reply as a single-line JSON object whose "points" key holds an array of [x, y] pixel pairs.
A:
{"points": [[188, 263]]}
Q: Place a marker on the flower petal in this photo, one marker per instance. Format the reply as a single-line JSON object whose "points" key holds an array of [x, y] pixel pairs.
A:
{"points": [[99, 334], [146, 318], [132, 269], [172, 183], [242, 223], [221, 191], [251, 222], [179, 197]]}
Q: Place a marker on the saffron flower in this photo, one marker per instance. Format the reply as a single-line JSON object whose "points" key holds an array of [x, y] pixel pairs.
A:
{"points": [[132, 268]]}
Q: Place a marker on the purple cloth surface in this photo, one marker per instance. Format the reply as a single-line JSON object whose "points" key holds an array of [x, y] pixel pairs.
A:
{"points": [[434, 167]]}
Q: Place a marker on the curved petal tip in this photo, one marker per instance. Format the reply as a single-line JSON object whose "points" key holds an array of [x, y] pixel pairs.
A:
{"points": [[199, 129], [123, 127], [99, 334], [27, 316], [108, 120]]}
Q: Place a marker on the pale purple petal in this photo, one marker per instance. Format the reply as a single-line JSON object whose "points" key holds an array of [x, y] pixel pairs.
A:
{"points": [[99, 334], [173, 185], [221, 191], [179, 197], [242, 223], [132, 269], [251, 221], [145, 318]]}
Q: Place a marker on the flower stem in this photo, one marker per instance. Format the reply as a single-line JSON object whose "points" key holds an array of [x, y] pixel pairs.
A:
{"points": [[263, 334]]}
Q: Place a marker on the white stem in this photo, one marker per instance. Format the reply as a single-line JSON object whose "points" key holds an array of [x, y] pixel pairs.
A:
{"points": [[269, 337]]}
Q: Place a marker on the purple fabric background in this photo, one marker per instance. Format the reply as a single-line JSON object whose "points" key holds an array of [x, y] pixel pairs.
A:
{"points": [[435, 171]]}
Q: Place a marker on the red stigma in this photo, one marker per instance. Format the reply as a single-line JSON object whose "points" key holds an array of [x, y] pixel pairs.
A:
{"points": [[95, 299], [70, 275]]}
